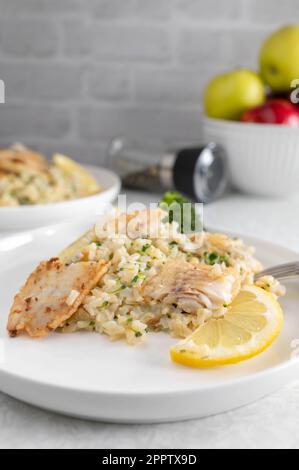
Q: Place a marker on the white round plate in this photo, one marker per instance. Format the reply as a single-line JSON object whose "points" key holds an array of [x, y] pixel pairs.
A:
{"points": [[40, 215], [84, 374]]}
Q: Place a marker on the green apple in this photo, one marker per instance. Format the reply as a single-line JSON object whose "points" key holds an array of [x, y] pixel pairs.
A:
{"points": [[279, 58], [229, 95]]}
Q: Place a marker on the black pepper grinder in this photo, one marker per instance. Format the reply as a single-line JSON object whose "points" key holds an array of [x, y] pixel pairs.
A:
{"points": [[197, 172]]}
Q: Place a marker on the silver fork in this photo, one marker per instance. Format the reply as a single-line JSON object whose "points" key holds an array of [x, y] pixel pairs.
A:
{"points": [[281, 271]]}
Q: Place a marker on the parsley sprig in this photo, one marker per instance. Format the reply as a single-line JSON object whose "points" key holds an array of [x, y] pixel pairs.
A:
{"points": [[175, 204]]}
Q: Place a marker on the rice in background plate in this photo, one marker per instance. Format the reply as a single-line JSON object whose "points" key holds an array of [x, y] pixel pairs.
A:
{"points": [[27, 178]]}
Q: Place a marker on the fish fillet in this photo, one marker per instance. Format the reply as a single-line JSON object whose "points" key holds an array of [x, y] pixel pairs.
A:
{"points": [[51, 294], [18, 158], [192, 286]]}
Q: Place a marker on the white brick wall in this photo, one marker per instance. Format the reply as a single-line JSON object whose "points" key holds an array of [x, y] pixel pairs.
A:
{"points": [[29, 38], [20, 121], [140, 43], [34, 82], [78, 72]]}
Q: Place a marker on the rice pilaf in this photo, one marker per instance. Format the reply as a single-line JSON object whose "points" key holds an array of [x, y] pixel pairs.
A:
{"points": [[120, 306]]}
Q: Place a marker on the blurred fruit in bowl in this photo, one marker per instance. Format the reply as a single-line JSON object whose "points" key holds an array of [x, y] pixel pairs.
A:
{"points": [[263, 158], [279, 58], [276, 111], [229, 95], [263, 147]]}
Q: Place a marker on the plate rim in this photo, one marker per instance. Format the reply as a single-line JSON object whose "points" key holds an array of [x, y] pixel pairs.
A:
{"points": [[37, 232]]}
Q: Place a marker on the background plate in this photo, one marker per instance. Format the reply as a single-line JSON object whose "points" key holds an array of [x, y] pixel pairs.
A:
{"points": [[84, 208], [85, 375]]}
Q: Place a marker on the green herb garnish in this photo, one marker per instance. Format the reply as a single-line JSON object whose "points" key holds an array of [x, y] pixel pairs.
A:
{"points": [[137, 278], [173, 196], [138, 333], [116, 291], [214, 258], [104, 304], [182, 211], [145, 247]]}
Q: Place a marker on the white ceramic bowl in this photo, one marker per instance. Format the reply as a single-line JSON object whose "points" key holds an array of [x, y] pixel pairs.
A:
{"points": [[87, 208], [263, 158]]}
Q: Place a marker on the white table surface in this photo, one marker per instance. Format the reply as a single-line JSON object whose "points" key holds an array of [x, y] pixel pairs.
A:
{"points": [[271, 422]]}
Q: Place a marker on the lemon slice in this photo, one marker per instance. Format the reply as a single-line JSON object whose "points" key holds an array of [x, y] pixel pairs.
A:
{"points": [[72, 168], [251, 324]]}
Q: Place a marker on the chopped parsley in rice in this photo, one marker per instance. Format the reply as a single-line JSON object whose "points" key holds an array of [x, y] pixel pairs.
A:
{"points": [[160, 279]]}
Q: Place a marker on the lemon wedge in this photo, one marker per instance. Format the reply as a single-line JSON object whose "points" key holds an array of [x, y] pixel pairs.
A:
{"points": [[72, 168], [251, 324]]}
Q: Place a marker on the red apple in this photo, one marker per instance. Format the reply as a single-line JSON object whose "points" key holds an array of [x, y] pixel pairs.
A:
{"points": [[276, 111]]}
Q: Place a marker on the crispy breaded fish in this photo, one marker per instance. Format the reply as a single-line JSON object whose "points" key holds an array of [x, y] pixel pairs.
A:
{"points": [[18, 158], [51, 294], [192, 286]]}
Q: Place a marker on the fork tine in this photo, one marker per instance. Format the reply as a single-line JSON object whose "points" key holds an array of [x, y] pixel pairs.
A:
{"points": [[283, 275], [290, 272], [292, 267], [281, 271], [277, 271], [283, 267]]}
